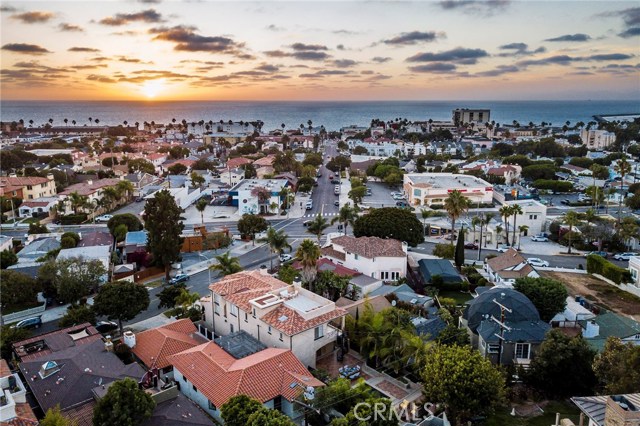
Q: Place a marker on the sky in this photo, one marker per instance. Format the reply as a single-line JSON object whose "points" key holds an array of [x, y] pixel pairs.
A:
{"points": [[330, 50]]}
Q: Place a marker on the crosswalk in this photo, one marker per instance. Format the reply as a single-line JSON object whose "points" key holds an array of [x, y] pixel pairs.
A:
{"points": [[321, 214]]}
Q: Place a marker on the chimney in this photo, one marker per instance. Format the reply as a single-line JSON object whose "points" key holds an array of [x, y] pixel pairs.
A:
{"points": [[90, 182], [108, 344], [130, 339], [297, 281], [13, 175], [592, 330]]}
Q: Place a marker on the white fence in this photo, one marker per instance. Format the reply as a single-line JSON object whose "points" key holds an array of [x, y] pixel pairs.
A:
{"points": [[27, 313]]}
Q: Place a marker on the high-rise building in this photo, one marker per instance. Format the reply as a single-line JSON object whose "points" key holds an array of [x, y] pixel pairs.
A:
{"points": [[465, 115]]}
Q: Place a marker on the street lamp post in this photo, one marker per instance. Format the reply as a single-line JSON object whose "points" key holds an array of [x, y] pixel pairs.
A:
{"points": [[208, 266]]}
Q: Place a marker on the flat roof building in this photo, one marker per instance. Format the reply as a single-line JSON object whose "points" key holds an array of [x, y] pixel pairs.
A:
{"points": [[433, 188]]}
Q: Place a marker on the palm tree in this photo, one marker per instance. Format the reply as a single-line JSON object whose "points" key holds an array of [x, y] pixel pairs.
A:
{"points": [[455, 204], [77, 201], [110, 193], [308, 254], [347, 216], [521, 230], [126, 188], [201, 205], [277, 241], [571, 219], [317, 227], [186, 300], [227, 265], [505, 212], [476, 221], [622, 167], [66, 121], [498, 233], [426, 214], [515, 211]]}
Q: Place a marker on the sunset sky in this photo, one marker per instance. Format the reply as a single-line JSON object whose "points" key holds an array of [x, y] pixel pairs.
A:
{"points": [[331, 50]]}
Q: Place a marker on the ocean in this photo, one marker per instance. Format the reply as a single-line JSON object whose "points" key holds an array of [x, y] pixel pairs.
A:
{"points": [[333, 115]]}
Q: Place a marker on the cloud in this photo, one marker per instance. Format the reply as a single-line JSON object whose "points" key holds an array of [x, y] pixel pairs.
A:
{"points": [[458, 55], [276, 54], [88, 67], [436, 67], [310, 56], [498, 71], [566, 60], [414, 37], [571, 37], [150, 1], [519, 49], [268, 68], [381, 59], [274, 28], [344, 63], [324, 73], [345, 32], [630, 16], [34, 17], [307, 47], [486, 7], [27, 49], [70, 28], [100, 59], [148, 16], [609, 57], [100, 78], [187, 40], [132, 60], [82, 49], [631, 32], [8, 9]]}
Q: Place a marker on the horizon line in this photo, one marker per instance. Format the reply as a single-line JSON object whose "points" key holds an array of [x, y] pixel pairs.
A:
{"points": [[150, 101]]}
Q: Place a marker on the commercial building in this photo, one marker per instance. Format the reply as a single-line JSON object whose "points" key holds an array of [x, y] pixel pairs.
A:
{"points": [[534, 216], [433, 188], [478, 117], [257, 196]]}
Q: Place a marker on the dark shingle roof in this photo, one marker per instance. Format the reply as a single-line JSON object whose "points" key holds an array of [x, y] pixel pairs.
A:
{"points": [[521, 307], [523, 331], [442, 267]]}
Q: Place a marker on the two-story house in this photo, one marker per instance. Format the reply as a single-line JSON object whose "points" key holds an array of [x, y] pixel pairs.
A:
{"points": [[27, 187], [385, 259], [275, 313]]}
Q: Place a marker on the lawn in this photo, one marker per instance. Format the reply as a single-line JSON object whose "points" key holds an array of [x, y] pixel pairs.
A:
{"points": [[459, 297], [31, 220], [566, 410]]}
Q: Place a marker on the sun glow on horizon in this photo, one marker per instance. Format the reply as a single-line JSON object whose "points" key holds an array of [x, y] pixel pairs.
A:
{"points": [[151, 88]]}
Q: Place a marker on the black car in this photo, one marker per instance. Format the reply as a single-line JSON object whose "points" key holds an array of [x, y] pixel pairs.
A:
{"points": [[471, 246], [34, 322], [106, 326], [180, 278], [306, 223]]}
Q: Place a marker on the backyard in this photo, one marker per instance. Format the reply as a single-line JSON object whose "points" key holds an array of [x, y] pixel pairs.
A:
{"points": [[460, 297], [604, 294], [546, 418]]}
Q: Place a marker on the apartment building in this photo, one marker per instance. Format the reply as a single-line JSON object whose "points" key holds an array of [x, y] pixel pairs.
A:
{"points": [[27, 187], [275, 313], [433, 188], [597, 139], [256, 196], [465, 115]]}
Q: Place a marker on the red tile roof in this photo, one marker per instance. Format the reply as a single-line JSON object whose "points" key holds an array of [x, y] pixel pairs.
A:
{"points": [[244, 281], [294, 322], [86, 188], [263, 375], [4, 368], [370, 247], [232, 163], [329, 251], [23, 181], [158, 344]]}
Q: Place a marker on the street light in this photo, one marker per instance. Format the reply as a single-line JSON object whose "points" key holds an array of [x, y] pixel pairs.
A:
{"points": [[208, 266]]}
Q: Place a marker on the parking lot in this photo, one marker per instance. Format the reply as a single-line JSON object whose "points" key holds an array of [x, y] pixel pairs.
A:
{"points": [[380, 195]]}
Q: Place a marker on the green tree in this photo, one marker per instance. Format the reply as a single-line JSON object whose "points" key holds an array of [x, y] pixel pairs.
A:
{"points": [[201, 206], [331, 285], [455, 205], [250, 224], [54, 417], [77, 314], [390, 222], [124, 405], [505, 212], [563, 366], [7, 258], [121, 301], [459, 252], [308, 254], [177, 169], [169, 294], [120, 233], [462, 380], [547, 295], [37, 228], [72, 239], [10, 335], [74, 277], [287, 274], [141, 165], [623, 168], [164, 226], [445, 251], [227, 265], [317, 227], [186, 300], [277, 242], [129, 220], [269, 417], [571, 219], [515, 211], [617, 367], [196, 179], [347, 215], [237, 410], [357, 194], [373, 412]]}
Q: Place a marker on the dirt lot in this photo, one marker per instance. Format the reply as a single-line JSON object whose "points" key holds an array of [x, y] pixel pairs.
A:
{"points": [[598, 291]]}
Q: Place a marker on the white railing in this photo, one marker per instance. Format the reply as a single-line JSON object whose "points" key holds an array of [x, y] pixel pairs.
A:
{"points": [[17, 316]]}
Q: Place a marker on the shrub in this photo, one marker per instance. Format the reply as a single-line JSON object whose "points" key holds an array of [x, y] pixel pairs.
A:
{"points": [[73, 219], [553, 185], [445, 251], [599, 265]]}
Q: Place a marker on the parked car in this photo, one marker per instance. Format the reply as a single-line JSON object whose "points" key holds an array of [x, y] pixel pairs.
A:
{"points": [[471, 246], [335, 181], [285, 257], [599, 253], [449, 237], [104, 218], [624, 256], [539, 238], [309, 205], [180, 278], [106, 326], [139, 199], [336, 203], [503, 247], [318, 174], [534, 261], [402, 204], [306, 223], [34, 322]]}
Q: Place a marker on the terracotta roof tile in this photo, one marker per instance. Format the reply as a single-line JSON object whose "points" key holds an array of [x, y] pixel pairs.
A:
{"points": [[158, 344], [329, 251], [4, 368], [263, 375], [370, 247], [85, 188], [295, 323], [246, 280], [232, 163]]}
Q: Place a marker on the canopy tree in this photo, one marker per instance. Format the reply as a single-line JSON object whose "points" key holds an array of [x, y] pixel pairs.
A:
{"points": [[124, 404], [164, 225], [547, 295], [121, 301], [390, 222]]}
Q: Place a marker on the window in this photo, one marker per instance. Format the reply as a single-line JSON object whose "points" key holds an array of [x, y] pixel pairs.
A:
{"points": [[246, 317], [634, 273], [185, 379], [281, 337], [253, 312], [522, 350], [195, 389], [231, 328], [269, 330], [494, 348], [318, 332], [233, 310], [533, 216], [216, 299], [29, 187], [355, 255], [212, 406]]}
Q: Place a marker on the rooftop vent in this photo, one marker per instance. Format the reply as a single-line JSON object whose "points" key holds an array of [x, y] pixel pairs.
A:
{"points": [[283, 318], [48, 368]]}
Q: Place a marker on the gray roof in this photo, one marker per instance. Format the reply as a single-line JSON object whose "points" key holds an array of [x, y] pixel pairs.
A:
{"points": [[595, 406], [523, 331], [82, 368], [37, 249], [429, 326], [239, 344], [178, 411], [521, 307], [442, 267]]}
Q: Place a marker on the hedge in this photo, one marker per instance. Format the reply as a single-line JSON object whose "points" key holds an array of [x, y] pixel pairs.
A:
{"points": [[599, 265], [73, 219], [553, 185]]}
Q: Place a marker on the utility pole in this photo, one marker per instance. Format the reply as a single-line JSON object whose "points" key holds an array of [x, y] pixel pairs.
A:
{"points": [[502, 326]]}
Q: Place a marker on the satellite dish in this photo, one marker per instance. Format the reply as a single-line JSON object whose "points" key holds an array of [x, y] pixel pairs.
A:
{"points": [[393, 303]]}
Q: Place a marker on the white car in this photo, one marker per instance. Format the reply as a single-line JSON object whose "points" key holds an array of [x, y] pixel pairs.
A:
{"points": [[624, 256], [285, 257], [503, 247], [104, 218], [534, 261], [539, 238]]}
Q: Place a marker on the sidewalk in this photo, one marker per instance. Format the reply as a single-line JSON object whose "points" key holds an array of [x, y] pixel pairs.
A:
{"points": [[527, 246]]}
